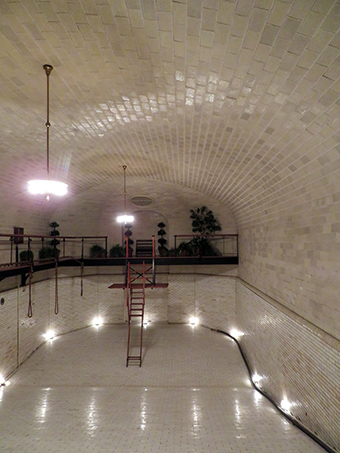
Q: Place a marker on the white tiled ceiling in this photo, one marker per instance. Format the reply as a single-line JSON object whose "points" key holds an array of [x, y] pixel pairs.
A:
{"points": [[239, 100]]}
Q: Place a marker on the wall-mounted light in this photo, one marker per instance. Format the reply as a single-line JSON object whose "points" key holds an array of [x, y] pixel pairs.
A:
{"points": [[49, 335], [256, 378], [285, 405], [236, 334], [97, 321]]}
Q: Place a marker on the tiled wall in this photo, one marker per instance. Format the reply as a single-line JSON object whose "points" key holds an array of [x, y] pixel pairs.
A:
{"points": [[295, 360], [170, 201], [295, 260], [187, 295]]}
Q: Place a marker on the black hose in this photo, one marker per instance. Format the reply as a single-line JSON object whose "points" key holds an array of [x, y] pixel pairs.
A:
{"points": [[287, 416]]}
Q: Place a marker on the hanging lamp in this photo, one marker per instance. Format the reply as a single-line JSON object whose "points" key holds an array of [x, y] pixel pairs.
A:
{"points": [[125, 218], [47, 186]]}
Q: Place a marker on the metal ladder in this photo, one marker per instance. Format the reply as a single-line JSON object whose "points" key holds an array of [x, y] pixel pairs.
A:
{"points": [[135, 301]]}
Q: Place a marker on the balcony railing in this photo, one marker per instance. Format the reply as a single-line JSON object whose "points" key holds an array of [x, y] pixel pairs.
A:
{"points": [[75, 251], [11, 246], [212, 245]]}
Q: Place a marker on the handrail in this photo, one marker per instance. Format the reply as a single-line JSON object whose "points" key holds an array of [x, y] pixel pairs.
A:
{"points": [[14, 243], [12, 235], [220, 236], [209, 235]]}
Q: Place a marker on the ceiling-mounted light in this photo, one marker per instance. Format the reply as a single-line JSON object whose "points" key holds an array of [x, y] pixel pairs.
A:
{"points": [[47, 186], [125, 218]]}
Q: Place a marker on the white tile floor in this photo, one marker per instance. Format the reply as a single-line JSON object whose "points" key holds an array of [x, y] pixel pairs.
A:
{"points": [[192, 394]]}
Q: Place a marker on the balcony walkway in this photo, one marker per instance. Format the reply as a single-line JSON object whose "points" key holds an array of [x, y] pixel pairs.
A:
{"points": [[192, 394]]}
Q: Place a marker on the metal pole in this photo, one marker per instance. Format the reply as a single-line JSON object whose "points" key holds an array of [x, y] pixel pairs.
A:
{"points": [[12, 240]]}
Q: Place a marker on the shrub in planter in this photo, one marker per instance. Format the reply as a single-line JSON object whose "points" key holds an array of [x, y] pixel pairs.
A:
{"points": [[26, 255], [51, 252], [116, 251], [54, 232], [162, 250], [186, 249], [48, 252], [204, 223], [97, 251]]}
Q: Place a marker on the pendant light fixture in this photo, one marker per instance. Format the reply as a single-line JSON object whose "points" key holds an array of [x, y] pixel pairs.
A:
{"points": [[125, 218], [47, 186]]}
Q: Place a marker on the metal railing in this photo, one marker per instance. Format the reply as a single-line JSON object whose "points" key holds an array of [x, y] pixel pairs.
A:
{"points": [[12, 246], [212, 245]]}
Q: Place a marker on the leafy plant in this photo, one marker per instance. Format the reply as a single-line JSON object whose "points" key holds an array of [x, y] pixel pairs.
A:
{"points": [[116, 250], [186, 249], [26, 255], [97, 251], [48, 252], [204, 221]]}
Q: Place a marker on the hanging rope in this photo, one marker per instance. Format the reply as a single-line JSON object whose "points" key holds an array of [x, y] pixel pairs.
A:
{"points": [[30, 276], [81, 275], [56, 302]]}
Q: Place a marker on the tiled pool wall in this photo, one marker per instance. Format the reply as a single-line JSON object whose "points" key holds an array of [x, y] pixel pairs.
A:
{"points": [[295, 362]]}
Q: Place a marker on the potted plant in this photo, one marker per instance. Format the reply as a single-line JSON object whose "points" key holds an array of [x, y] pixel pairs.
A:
{"points": [[162, 250], [128, 234], [51, 251], [186, 249], [26, 255], [46, 252], [116, 251], [204, 223], [54, 233], [97, 251]]}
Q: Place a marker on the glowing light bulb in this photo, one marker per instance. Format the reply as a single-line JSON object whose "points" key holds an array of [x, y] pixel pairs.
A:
{"points": [[47, 187], [125, 218]]}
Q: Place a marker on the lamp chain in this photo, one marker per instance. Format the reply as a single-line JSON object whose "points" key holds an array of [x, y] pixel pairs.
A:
{"points": [[124, 168], [48, 68]]}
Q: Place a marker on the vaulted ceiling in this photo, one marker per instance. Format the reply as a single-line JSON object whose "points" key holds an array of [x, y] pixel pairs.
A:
{"points": [[237, 100]]}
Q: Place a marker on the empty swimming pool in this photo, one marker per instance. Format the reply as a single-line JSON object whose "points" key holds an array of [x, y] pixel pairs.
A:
{"points": [[192, 394]]}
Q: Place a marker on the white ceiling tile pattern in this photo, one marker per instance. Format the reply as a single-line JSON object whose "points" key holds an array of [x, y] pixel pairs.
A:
{"points": [[238, 99]]}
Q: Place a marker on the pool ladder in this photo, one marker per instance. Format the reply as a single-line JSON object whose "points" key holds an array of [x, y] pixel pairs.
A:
{"points": [[135, 301]]}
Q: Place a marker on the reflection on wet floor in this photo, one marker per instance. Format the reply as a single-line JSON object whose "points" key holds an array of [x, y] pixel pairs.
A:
{"points": [[192, 394]]}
